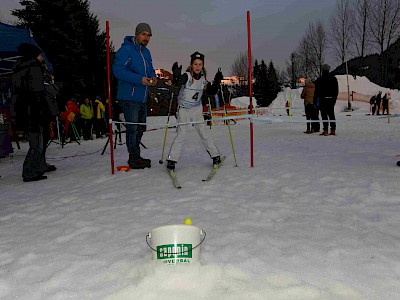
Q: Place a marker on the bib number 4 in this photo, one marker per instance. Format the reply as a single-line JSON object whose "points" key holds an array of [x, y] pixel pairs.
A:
{"points": [[195, 96]]}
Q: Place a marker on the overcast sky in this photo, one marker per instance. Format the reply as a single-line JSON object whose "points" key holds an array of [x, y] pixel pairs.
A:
{"points": [[217, 28]]}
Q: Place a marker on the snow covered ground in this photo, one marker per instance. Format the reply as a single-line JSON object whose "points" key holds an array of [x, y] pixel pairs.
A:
{"points": [[315, 218]]}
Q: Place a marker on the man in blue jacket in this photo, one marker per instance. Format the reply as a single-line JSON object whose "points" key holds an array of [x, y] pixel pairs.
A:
{"points": [[134, 70]]}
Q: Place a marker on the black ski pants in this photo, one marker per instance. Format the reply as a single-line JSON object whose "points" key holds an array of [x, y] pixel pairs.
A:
{"points": [[327, 107]]}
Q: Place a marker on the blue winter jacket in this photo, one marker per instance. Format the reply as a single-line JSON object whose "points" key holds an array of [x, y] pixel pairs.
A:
{"points": [[132, 62]]}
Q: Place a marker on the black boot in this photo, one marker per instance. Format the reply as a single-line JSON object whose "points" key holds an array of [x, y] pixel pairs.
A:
{"points": [[216, 160], [146, 159], [35, 178], [171, 165], [139, 163]]}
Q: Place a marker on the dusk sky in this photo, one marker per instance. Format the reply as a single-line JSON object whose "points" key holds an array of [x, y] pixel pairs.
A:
{"points": [[217, 28]]}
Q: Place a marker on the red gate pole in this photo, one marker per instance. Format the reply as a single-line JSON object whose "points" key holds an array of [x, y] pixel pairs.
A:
{"points": [[110, 134], [250, 89]]}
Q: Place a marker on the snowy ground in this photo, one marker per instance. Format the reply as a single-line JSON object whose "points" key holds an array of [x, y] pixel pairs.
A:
{"points": [[315, 218]]}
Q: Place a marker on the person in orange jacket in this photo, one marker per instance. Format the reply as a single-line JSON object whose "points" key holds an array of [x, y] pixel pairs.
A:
{"points": [[69, 114]]}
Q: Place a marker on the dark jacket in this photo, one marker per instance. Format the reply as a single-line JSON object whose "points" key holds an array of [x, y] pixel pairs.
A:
{"points": [[326, 87], [51, 94], [28, 103], [132, 63]]}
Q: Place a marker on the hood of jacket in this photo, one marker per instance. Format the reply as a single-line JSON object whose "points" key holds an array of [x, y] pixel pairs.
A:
{"points": [[130, 40]]}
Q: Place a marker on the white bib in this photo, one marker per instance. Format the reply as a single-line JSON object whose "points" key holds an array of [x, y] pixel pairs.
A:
{"points": [[190, 94]]}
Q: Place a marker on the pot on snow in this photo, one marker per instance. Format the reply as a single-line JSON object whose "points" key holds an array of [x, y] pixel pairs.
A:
{"points": [[176, 244]]}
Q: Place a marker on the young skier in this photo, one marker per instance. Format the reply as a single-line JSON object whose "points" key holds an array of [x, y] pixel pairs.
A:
{"points": [[193, 83]]}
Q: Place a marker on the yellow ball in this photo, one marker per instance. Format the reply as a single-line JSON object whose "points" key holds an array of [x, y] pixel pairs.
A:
{"points": [[187, 221], [151, 81]]}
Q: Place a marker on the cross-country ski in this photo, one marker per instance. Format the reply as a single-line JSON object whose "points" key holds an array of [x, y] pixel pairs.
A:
{"points": [[214, 170], [174, 179]]}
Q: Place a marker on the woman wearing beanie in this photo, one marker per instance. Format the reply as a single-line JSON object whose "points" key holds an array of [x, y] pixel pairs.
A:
{"points": [[193, 83]]}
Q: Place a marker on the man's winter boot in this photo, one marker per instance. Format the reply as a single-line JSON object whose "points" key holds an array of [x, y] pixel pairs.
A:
{"points": [[139, 163], [146, 159], [216, 161], [325, 133], [171, 165], [333, 132]]}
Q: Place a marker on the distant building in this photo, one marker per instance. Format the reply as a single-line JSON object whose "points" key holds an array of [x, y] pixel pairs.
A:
{"points": [[162, 74], [232, 80]]}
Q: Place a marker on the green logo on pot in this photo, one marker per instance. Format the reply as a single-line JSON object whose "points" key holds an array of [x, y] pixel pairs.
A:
{"points": [[174, 251]]}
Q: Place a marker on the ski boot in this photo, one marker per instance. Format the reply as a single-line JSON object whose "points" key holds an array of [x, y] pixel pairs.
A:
{"points": [[216, 161], [171, 165]]}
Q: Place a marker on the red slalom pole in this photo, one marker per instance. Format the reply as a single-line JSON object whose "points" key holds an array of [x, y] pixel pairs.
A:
{"points": [[110, 134], [250, 89]]}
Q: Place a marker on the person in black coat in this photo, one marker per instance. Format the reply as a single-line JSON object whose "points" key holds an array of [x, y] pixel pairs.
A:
{"points": [[30, 109], [326, 92], [378, 102]]}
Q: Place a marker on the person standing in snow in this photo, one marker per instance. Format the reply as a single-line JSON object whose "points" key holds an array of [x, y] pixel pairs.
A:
{"points": [[287, 106], [385, 103], [86, 111], [134, 70], [69, 116], [308, 95], [378, 102], [99, 117], [30, 109], [372, 103], [193, 83], [327, 90]]}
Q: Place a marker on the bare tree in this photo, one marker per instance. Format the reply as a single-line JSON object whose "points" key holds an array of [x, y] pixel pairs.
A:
{"points": [[341, 24], [293, 69], [306, 59], [316, 35], [385, 27], [240, 68], [360, 34]]}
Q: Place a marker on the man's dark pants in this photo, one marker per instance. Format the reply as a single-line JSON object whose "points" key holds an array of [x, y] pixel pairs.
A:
{"points": [[327, 107], [134, 112], [34, 163]]}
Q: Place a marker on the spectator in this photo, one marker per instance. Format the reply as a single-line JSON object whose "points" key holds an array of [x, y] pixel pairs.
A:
{"points": [[327, 90], [30, 108], [134, 70], [310, 110], [86, 111], [287, 106], [99, 117], [69, 116], [372, 103], [378, 102], [385, 103]]}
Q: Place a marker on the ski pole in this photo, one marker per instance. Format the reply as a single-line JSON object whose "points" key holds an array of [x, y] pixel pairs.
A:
{"points": [[229, 128], [161, 161], [210, 112]]}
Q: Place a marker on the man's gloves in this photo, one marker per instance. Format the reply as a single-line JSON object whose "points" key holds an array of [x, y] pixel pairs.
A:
{"points": [[176, 71], [218, 76]]}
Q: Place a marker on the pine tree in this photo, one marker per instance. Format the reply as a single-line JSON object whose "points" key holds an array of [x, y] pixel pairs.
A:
{"points": [[70, 37], [257, 92], [273, 88], [263, 84]]}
